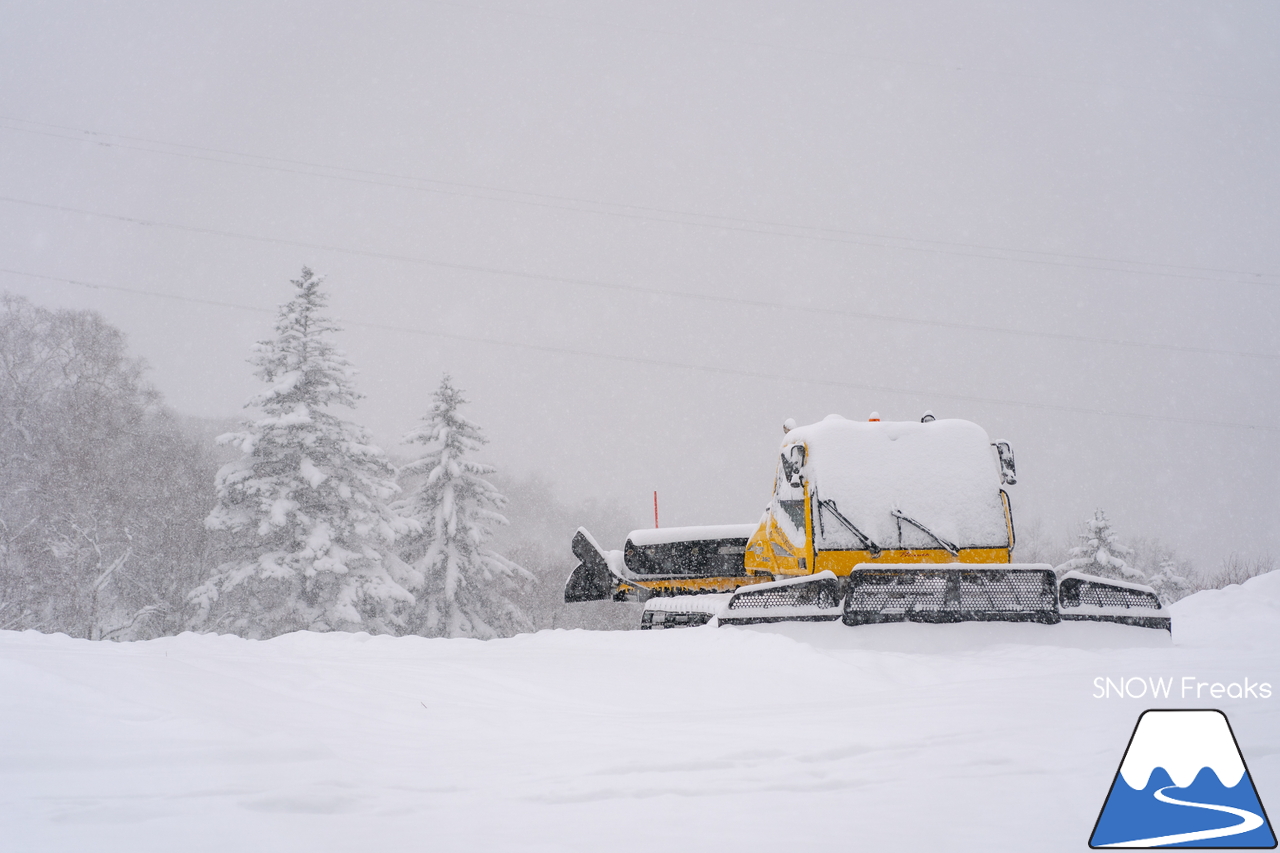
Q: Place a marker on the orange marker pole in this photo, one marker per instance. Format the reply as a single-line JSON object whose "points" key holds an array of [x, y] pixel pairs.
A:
{"points": [[655, 509]]}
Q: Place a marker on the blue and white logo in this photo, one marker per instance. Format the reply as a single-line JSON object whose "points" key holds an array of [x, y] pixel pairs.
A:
{"points": [[1183, 783]]}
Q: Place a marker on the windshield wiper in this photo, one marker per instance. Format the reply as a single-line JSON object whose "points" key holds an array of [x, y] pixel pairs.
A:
{"points": [[862, 537], [901, 517]]}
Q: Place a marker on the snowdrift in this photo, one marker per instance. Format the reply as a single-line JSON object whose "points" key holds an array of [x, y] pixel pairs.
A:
{"points": [[786, 737], [1241, 616]]}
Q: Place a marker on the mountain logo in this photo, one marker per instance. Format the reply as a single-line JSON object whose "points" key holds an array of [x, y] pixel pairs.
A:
{"points": [[1183, 783]]}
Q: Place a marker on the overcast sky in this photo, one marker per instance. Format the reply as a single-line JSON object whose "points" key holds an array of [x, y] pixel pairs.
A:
{"points": [[655, 230]]}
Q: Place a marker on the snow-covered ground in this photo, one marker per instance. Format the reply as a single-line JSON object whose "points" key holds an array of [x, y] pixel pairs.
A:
{"points": [[797, 737]]}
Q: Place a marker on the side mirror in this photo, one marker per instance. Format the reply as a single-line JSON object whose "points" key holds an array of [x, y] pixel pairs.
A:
{"points": [[1008, 471], [792, 463]]}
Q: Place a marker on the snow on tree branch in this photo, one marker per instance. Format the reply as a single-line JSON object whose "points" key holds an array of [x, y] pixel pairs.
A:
{"points": [[305, 507], [463, 587], [1100, 553]]}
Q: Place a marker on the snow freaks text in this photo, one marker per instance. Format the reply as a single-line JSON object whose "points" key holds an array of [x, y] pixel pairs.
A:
{"points": [[1186, 687]]}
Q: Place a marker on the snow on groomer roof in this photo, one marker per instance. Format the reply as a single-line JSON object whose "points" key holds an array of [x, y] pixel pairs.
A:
{"points": [[663, 535], [943, 474]]}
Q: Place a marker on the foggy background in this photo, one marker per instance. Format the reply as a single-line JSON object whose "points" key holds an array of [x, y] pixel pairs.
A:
{"points": [[641, 235]]}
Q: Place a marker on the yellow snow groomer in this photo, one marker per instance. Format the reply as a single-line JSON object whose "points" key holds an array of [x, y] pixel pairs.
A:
{"points": [[871, 521]]}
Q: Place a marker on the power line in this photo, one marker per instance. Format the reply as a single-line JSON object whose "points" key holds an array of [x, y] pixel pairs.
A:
{"points": [[646, 291], [713, 221], [866, 57], [716, 223], [655, 362], [139, 291]]}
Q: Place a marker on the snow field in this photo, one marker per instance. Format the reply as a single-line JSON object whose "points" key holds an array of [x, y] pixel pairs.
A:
{"points": [[783, 737]]}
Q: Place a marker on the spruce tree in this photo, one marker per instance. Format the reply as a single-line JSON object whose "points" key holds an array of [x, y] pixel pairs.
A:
{"points": [[463, 587], [1168, 583], [1100, 553], [304, 509]]}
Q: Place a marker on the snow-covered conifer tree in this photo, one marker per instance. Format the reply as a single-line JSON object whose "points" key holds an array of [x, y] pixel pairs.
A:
{"points": [[305, 508], [463, 587], [1168, 584], [1100, 553]]}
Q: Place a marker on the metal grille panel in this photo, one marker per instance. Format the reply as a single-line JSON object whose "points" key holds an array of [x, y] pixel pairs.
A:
{"points": [[819, 593], [1077, 591], [955, 591], [652, 619]]}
